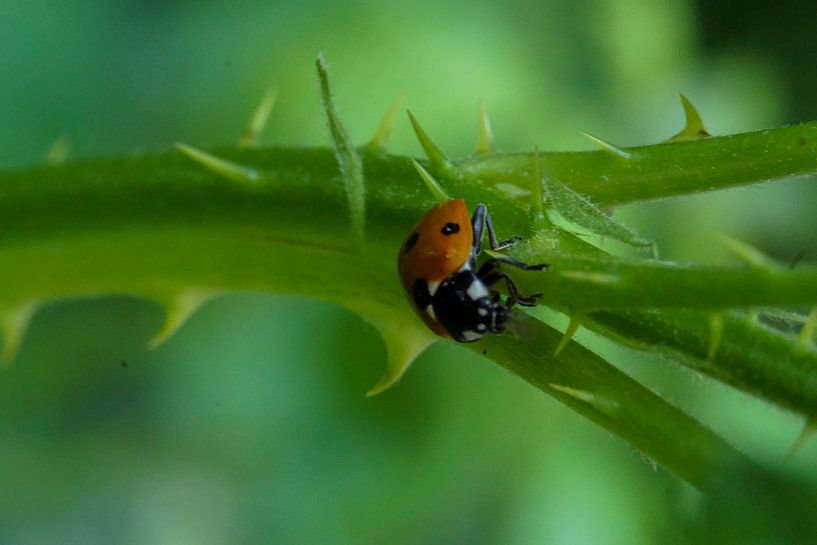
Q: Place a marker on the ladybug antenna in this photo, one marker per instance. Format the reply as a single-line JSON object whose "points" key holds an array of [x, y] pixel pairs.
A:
{"points": [[432, 184]]}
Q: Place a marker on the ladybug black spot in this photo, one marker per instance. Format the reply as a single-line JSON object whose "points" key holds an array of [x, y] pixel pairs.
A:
{"points": [[421, 295], [451, 228], [411, 242]]}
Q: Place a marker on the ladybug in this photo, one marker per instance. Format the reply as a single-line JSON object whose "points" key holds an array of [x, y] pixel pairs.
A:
{"points": [[438, 269]]}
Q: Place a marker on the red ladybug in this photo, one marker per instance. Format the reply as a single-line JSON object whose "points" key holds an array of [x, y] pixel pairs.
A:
{"points": [[437, 266]]}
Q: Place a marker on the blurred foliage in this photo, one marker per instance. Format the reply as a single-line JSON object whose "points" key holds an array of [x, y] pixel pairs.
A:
{"points": [[251, 426]]}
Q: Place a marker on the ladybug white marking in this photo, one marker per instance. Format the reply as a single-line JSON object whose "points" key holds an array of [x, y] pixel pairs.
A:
{"points": [[477, 290]]}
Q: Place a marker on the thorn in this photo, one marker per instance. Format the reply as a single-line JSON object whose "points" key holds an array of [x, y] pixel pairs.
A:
{"points": [[582, 395], [809, 428], [694, 126], [13, 325], [809, 328], [435, 156], [383, 131], [797, 258], [602, 279], [715, 335], [607, 146], [59, 151], [404, 343], [572, 327], [513, 191], [749, 255], [693, 118], [178, 310], [432, 184], [404, 335], [258, 121], [601, 403], [485, 143], [222, 167]]}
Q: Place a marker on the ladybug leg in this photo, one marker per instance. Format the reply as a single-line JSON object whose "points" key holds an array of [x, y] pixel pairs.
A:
{"points": [[481, 220], [520, 264], [489, 267], [493, 264], [514, 297]]}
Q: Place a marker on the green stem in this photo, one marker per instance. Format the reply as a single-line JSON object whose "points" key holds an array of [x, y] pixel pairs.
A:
{"points": [[664, 170], [600, 392], [160, 226], [618, 283], [749, 356]]}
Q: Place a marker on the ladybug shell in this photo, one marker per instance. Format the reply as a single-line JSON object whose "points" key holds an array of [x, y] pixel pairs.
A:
{"points": [[430, 255]]}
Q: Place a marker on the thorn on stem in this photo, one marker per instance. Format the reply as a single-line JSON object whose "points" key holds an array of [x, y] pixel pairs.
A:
{"points": [[384, 129], [746, 253], [694, 126], [178, 310], [808, 431], [715, 335], [258, 121], [485, 142], [572, 327], [603, 145], [599, 402], [59, 151], [222, 167], [403, 346], [14, 323], [435, 155], [807, 334], [432, 184]]}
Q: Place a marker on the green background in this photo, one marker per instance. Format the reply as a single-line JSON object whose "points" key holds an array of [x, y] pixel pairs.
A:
{"points": [[250, 426]]}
